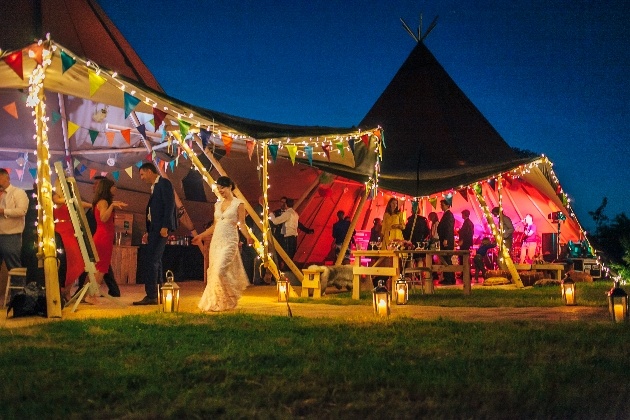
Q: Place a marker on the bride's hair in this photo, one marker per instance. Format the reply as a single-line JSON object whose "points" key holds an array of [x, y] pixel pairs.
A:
{"points": [[225, 181]]}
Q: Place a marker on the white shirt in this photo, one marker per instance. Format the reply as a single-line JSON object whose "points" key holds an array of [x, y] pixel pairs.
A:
{"points": [[290, 219], [152, 185], [14, 201]]}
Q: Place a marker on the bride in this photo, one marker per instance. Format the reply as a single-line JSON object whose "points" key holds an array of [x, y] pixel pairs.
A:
{"points": [[226, 277]]}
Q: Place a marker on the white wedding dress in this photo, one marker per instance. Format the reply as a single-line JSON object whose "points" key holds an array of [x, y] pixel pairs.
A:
{"points": [[226, 275]]}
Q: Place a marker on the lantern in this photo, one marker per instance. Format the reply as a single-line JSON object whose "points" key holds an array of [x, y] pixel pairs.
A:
{"points": [[169, 293], [618, 303], [283, 288], [380, 299], [568, 291], [402, 291]]}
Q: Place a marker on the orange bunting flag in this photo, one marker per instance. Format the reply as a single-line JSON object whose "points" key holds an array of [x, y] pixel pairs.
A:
{"points": [[11, 110], [366, 140], [292, 149], [15, 62], [96, 82], [127, 135], [377, 133], [227, 141], [37, 51], [326, 148], [110, 137], [92, 173], [250, 147], [72, 128]]}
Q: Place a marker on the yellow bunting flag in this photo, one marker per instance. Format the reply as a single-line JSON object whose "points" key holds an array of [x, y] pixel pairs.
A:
{"points": [[129, 171], [11, 110], [72, 128], [127, 135], [292, 149], [110, 137], [433, 202], [96, 82]]}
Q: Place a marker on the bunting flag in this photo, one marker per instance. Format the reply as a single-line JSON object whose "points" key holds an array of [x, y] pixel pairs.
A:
{"points": [[15, 62], [139, 164], [55, 117], [250, 147], [126, 135], [11, 109], [20, 173], [116, 175], [449, 199], [382, 139], [37, 53], [493, 184], [351, 144], [164, 134], [366, 140], [227, 142], [292, 150], [414, 206], [66, 62], [183, 127], [273, 149], [308, 151], [96, 82], [340, 147], [110, 137], [171, 165], [142, 129], [72, 128], [477, 188], [103, 173], [433, 202], [464, 193], [92, 173], [326, 148], [158, 117], [93, 135], [33, 172], [76, 163], [204, 135], [131, 102], [129, 171]]}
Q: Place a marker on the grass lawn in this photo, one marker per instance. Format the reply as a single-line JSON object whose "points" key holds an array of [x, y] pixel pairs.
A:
{"points": [[252, 366]]}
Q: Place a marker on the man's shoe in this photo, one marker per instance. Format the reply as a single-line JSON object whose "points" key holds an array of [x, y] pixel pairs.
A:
{"points": [[146, 301]]}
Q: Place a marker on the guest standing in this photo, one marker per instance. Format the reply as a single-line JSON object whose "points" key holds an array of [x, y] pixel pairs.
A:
{"points": [[13, 208], [393, 223], [434, 238], [226, 278], [466, 232], [376, 233], [530, 241], [446, 232], [161, 219], [508, 229]]}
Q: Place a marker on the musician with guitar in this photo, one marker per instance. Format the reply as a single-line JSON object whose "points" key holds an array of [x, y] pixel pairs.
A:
{"points": [[529, 240]]}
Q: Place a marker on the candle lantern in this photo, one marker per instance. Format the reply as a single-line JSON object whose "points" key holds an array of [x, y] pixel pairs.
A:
{"points": [[380, 299], [568, 291], [618, 303], [169, 294], [283, 288], [402, 291]]}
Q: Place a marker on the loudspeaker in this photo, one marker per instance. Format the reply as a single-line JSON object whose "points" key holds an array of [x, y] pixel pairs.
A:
{"points": [[549, 246]]}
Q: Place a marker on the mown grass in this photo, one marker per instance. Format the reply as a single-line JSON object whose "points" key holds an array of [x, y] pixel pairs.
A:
{"points": [[246, 366]]}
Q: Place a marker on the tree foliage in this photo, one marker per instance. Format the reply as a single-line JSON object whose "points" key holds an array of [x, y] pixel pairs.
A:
{"points": [[612, 238]]}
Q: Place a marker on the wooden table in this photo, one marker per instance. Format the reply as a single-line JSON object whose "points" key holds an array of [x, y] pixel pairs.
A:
{"points": [[393, 268]]}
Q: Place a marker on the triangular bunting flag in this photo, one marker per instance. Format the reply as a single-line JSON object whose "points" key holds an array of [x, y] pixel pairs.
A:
{"points": [[11, 109], [110, 137], [55, 117], [103, 173], [493, 184], [250, 147], [66, 62], [93, 135], [204, 135], [37, 52], [20, 173], [92, 173], [383, 139], [449, 199], [464, 193], [171, 165], [308, 150], [433, 202], [15, 62], [414, 206], [292, 150], [131, 103], [184, 126], [158, 117], [139, 164], [340, 147], [351, 144], [477, 188], [129, 171], [227, 142], [126, 135], [116, 175], [72, 128], [76, 163], [326, 148], [33, 172], [96, 82], [365, 139], [142, 130], [273, 150]]}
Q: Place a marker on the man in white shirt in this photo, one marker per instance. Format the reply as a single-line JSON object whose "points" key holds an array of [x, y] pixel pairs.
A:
{"points": [[13, 207], [289, 220]]}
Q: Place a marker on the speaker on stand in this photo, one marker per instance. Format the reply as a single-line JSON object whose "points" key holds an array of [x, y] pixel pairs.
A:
{"points": [[550, 247]]}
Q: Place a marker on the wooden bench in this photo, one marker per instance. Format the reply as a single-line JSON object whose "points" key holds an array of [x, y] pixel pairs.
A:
{"points": [[312, 281], [556, 269]]}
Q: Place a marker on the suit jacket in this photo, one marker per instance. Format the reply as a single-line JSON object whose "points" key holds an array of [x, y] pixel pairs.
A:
{"points": [[162, 205], [446, 229]]}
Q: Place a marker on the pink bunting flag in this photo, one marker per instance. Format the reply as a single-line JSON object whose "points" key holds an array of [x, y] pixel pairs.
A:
{"points": [[20, 173], [326, 148], [11, 109], [15, 62]]}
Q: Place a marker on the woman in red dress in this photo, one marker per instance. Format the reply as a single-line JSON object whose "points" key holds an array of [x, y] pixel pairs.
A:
{"points": [[104, 205]]}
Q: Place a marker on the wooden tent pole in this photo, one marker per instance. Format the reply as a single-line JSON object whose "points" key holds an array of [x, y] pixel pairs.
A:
{"points": [[353, 223]]}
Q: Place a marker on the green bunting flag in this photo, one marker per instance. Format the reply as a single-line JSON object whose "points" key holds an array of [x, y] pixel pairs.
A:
{"points": [[340, 147], [66, 62], [116, 175], [183, 127], [93, 135], [55, 117], [308, 150], [273, 150]]}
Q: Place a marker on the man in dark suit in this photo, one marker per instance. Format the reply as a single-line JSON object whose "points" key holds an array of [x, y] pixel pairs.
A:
{"points": [[161, 219], [446, 232]]}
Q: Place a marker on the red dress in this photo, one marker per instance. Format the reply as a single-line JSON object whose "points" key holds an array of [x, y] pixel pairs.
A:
{"points": [[104, 241], [74, 259]]}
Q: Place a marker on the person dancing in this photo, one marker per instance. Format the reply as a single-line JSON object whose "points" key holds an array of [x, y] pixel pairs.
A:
{"points": [[226, 277], [530, 241]]}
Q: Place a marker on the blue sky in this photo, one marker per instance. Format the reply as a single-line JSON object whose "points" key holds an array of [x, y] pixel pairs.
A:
{"points": [[550, 76]]}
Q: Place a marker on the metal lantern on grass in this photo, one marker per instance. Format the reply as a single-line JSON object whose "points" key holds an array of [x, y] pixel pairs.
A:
{"points": [[169, 293], [380, 300], [402, 291], [568, 292], [618, 303], [283, 288]]}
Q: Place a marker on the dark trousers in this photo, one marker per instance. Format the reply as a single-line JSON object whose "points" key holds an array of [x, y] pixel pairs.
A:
{"points": [[152, 263], [290, 245]]}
